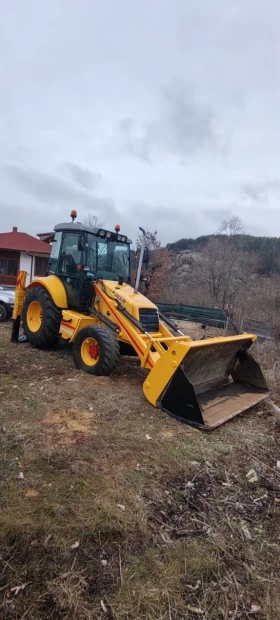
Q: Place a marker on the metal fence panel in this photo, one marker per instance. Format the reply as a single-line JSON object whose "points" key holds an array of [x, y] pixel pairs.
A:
{"points": [[261, 329], [213, 317]]}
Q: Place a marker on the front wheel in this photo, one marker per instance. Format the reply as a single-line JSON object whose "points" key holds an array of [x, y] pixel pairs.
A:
{"points": [[96, 350]]}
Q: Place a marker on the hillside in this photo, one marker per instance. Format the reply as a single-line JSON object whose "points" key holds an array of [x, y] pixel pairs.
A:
{"points": [[231, 271], [266, 249]]}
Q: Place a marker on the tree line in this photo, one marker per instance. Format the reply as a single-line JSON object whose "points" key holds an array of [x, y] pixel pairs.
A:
{"points": [[266, 249]]}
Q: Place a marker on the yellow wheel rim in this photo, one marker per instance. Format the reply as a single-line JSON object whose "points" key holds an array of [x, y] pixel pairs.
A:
{"points": [[90, 351], [34, 316]]}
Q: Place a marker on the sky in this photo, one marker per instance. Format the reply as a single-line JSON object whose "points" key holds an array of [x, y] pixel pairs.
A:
{"points": [[162, 114]]}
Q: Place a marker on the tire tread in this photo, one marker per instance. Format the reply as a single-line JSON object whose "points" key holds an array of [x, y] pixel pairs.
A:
{"points": [[48, 334], [110, 345]]}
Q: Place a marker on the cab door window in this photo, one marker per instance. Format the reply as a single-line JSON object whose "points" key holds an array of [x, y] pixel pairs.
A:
{"points": [[68, 267], [70, 256]]}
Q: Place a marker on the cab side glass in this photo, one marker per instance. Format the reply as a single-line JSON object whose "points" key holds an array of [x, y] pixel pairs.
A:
{"points": [[81, 243], [53, 260]]}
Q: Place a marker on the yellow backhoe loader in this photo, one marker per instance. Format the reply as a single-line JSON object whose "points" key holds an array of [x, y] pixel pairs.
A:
{"points": [[87, 298]]}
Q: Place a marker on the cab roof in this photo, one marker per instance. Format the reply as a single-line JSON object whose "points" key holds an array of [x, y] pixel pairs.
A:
{"points": [[79, 227]]}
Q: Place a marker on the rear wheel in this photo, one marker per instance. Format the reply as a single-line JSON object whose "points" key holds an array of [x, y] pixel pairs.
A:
{"points": [[96, 350], [41, 318], [3, 313]]}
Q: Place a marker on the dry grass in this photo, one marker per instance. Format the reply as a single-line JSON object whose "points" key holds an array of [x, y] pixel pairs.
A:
{"points": [[194, 540], [197, 330], [268, 355]]}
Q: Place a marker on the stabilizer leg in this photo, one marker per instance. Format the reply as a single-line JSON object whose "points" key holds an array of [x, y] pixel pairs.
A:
{"points": [[15, 329]]}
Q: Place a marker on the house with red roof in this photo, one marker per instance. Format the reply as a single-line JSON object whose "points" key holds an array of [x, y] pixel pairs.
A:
{"points": [[19, 250]]}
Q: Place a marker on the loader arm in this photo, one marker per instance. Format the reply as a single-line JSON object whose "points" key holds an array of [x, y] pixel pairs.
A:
{"points": [[130, 330]]}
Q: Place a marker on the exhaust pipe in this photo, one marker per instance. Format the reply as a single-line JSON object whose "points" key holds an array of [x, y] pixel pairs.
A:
{"points": [[139, 269]]}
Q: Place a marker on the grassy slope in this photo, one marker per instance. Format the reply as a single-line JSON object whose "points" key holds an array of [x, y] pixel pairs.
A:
{"points": [[180, 548]]}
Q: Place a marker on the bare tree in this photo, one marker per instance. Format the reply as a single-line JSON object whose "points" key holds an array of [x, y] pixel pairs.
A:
{"points": [[224, 270], [234, 226], [93, 221]]}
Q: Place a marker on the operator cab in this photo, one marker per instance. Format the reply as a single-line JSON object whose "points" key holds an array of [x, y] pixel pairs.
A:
{"points": [[81, 254]]}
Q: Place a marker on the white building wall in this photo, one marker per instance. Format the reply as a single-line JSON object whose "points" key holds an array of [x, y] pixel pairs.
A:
{"points": [[45, 256], [25, 265]]}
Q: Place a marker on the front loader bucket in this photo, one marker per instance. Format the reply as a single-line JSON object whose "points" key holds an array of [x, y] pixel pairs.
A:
{"points": [[215, 380]]}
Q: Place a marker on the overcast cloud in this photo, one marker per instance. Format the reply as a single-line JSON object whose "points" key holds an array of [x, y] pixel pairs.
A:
{"points": [[160, 113]]}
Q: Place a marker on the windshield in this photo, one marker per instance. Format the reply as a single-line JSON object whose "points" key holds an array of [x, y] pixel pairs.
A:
{"points": [[103, 258], [108, 259]]}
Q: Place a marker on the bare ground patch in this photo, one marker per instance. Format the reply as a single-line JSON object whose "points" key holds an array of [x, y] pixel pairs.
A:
{"points": [[67, 427]]}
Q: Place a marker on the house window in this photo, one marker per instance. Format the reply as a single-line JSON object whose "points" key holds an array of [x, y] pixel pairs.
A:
{"points": [[8, 267], [40, 266]]}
